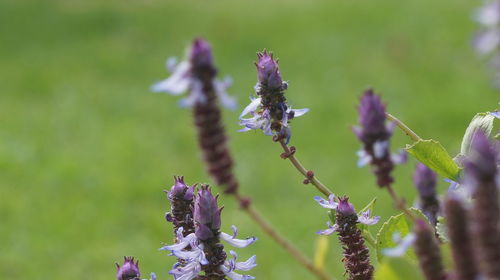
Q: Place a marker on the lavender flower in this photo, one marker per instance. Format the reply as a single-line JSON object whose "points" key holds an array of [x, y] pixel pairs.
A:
{"points": [[424, 180], [202, 251], [356, 254], [427, 251], [269, 111], [481, 177], [198, 75], [130, 270], [191, 74], [461, 242], [375, 134]]}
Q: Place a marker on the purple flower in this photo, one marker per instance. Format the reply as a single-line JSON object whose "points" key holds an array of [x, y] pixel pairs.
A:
{"points": [[191, 74], [346, 209], [202, 252], [374, 133], [269, 111], [428, 252], [128, 270], [425, 181]]}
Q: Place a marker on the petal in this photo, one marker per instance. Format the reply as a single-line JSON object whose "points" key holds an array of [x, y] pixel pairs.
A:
{"points": [[152, 276], [247, 265], [196, 95], [245, 129], [486, 41], [400, 157], [220, 89], [496, 114], [239, 243], [365, 218], [182, 243], [488, 15], [402, 246], [251, 107], [299, 112], [171, 63], [178, 82], [329, 230], [233, 275], [380, 148], [363, 158], [330, 203]]}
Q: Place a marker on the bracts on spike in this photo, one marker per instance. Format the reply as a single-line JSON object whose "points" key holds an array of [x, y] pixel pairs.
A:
{"points": [[481, 176], [460, 238], [181, 199], [356, 254], [427, 251], [207, 118]]}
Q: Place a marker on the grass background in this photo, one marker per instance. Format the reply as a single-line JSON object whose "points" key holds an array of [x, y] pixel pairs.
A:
{"points": [[86, 149]]}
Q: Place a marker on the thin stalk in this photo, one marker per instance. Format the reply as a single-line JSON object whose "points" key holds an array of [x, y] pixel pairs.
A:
{"points": [[307, 174], [282, 241], [399, 203], [403, 127]]}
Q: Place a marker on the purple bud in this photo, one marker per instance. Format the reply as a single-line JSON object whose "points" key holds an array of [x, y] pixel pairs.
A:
{"points": [[178, 189], [372, 119], [344, 207], [268, 71], [129, 270], [201, 54], [206, 214], [425, 182]]}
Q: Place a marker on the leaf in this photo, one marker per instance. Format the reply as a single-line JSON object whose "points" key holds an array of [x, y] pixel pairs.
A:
{"points": [[397, 224], [432, 154], [441, 229], [397, 269], [481, 122]]}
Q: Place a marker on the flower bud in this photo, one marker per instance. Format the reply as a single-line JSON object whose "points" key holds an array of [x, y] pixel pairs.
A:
{"points": [[129, 270], [427, 251], [207, 214], [201, 57], [268, 72], [424, 180]]}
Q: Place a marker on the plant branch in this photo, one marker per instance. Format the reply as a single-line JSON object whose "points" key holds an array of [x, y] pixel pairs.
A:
{"points": [[400, 203], [403, 127], [278, 238], [289, 153]]}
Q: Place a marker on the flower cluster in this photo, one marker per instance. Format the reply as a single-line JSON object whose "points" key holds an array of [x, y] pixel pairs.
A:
{"points": [[356, 254], [269, 111], [487, 40], [375, 134], [201, 250], [198, 75]]}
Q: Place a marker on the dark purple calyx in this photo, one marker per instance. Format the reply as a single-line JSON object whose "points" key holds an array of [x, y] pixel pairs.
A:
{"points": [[128, 270]]}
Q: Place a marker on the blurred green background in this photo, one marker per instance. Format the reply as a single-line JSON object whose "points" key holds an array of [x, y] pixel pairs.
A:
{"points": [[86, 149]]}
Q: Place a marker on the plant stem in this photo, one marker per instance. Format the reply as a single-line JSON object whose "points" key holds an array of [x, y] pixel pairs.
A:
{"points": [[312, 179], [403, 127], [282, 241], [400, 203]]}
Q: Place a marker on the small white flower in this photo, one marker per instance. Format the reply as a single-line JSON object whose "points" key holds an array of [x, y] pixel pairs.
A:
{"points": [[331, 229], [329, 204], [238, 243], [365, 218], [230, 266], [182, 80]]}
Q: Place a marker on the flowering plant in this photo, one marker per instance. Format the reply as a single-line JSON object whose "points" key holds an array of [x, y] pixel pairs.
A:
{"points": [[463, 222]]}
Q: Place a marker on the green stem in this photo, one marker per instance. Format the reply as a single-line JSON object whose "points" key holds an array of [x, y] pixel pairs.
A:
{"points": [[312, 179], [403, 127]]}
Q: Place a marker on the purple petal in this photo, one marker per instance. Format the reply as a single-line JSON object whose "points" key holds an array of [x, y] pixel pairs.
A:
{"points": [[330, 203], [402, 245], [178, 82], [238, 243], [254, 104], [331, 229], [365, 218]]}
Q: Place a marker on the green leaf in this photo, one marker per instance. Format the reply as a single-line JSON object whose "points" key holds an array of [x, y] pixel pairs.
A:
{"points": [[432, 154], [481, 122], [397, 224], [441, 229], [397, 269]]}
